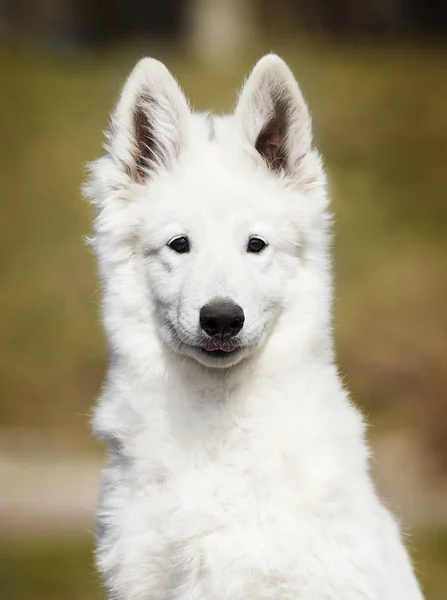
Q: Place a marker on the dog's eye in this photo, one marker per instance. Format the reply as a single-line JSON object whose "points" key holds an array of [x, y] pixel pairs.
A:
{"points": [[179, 244], [256, 245]]}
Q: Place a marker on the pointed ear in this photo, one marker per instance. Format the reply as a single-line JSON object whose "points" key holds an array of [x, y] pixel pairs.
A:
{"points": [[274, 116], [149, 122]]}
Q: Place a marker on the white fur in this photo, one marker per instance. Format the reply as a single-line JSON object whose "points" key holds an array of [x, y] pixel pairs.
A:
{"points": [[249, 481]]}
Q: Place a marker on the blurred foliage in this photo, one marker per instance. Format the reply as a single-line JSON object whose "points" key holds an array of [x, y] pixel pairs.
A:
{"points": [[63, 568], [380, 121], [78, 23]]}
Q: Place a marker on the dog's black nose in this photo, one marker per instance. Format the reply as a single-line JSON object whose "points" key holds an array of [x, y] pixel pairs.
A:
{"points": [[221, 318]]}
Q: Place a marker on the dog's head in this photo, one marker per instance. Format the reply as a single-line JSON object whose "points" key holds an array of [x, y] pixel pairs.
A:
{"points": [[208, 224]]}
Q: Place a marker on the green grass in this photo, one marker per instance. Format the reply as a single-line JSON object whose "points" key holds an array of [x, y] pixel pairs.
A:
{"points": [[43, 569], [380, 120], [63, 568], [430, 560]]}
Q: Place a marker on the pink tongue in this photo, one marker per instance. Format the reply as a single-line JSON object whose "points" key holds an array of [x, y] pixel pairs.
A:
{"points": [[223, 348]]}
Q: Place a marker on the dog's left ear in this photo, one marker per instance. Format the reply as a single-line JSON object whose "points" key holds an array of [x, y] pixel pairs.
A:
{"points": [[274, 116]]}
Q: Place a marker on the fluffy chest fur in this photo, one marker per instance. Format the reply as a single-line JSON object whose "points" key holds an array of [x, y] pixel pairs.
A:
{"points": [[242, 495]]}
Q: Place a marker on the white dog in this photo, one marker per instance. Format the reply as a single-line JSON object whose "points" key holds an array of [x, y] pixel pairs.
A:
{"points": [[237, 465]]}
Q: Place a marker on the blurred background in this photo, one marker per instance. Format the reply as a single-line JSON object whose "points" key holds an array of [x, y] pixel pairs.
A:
{"points": [[375, 75]]}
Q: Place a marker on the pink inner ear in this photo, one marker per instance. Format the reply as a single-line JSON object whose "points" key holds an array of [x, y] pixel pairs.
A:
{"points": [[271, 143], [148, 151], [276, 140]]}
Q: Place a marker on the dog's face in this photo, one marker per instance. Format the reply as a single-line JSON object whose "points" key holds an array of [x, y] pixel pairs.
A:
{"points": [[218, 257], [219, 218]]}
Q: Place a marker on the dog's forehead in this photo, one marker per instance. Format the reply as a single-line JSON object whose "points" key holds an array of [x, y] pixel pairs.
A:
{"points": [[204, 183], [227, 204], [215, 182]]}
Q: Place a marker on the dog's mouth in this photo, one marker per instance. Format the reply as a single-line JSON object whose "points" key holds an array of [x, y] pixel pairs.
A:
{"points": [[219, 350]]}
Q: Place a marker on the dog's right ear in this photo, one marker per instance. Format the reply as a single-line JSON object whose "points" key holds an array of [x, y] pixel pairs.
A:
{"points": [[150, 121]]}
